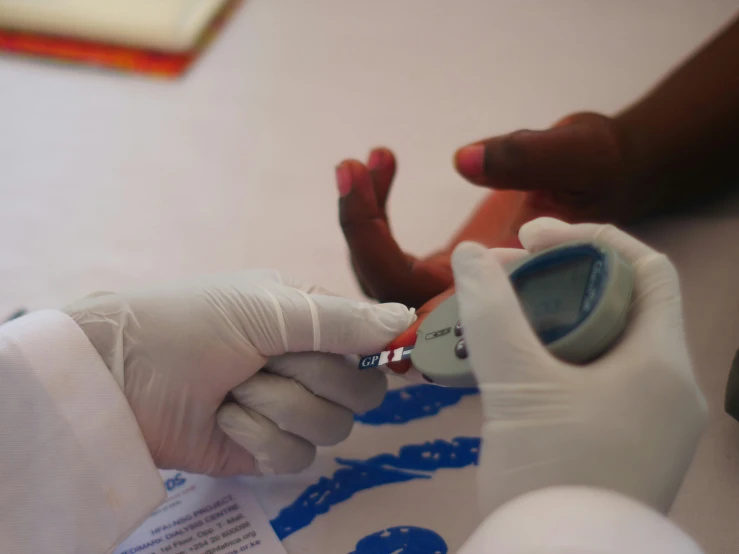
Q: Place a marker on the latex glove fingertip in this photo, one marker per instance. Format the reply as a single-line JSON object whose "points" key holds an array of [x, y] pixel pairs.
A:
{"points": [[529, 231], [471, 263], [467, 256], [395, 316]]}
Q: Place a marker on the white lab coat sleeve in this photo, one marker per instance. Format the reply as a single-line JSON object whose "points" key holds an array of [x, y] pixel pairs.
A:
{"points": [[75, 473], [577, 519]]}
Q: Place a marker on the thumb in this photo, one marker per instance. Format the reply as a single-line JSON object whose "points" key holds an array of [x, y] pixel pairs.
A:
{"points": [[502, 345], [566, 157], [304, 322]]}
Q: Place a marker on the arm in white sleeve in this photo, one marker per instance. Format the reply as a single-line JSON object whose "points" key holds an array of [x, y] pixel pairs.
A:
{"points": [[582, 520], [75, 473]]}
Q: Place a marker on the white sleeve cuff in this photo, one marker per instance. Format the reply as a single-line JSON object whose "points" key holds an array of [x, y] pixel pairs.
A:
{"points": [[75, 472], [577, 519]]}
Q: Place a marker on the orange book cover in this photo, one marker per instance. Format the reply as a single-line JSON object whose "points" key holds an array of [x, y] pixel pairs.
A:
{"points": [[109, 56]]}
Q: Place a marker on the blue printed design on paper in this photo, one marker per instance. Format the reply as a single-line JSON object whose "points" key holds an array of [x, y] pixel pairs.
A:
{"points": [[414, 402], [402, 540], [412, 462]]}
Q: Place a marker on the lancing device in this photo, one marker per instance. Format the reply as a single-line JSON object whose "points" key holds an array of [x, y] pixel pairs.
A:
{"points": [[576, 297]]}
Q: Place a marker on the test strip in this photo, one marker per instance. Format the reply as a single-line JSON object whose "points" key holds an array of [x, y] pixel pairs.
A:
{"points": [[376, 360]]}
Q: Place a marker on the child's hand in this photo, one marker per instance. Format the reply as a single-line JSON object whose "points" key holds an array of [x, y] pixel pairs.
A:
{"points": [[383, 270], [576, 171]]}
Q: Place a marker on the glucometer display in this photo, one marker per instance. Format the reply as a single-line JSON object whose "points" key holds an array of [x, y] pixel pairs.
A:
{"points": [[552, 297]]}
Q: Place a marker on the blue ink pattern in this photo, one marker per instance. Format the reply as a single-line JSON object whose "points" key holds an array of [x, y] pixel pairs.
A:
{"points": [[414, 402], [412, 462], [402, 540]]}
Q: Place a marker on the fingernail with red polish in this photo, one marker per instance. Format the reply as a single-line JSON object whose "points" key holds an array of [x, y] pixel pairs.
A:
{"points": [[376, 158], [344, 179], [471, 160]]}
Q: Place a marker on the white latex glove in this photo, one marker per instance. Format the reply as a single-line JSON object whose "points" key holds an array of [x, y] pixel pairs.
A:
{"points": [[629, 422], [188, 358]]}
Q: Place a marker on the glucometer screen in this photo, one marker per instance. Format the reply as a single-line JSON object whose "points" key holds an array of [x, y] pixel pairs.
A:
{"points": [[552, 297]]}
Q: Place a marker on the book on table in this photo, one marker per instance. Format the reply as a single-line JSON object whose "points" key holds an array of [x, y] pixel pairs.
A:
{"points": [[111, 32]]}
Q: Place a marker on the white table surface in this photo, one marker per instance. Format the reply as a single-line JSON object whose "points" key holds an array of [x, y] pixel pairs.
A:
{"points": [[111, 181]]}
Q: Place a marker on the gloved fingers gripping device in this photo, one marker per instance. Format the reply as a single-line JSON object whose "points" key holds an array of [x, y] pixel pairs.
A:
{"points": [[576, 297]]}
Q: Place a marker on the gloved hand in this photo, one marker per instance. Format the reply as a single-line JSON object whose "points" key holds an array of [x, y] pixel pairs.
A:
{"points": [[629, 421], [240, 374]]}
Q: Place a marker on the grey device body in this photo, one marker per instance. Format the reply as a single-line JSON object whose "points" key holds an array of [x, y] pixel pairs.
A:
{"points": [[436, 356]]}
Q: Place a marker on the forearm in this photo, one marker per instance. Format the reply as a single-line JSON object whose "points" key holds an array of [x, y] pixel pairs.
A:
{"points": [[682, 139]]}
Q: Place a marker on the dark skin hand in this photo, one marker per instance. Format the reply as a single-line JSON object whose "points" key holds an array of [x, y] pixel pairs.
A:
{"points": [[383, 269], [520, 162], [674, 148], [515, 165], [521, 166]]}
